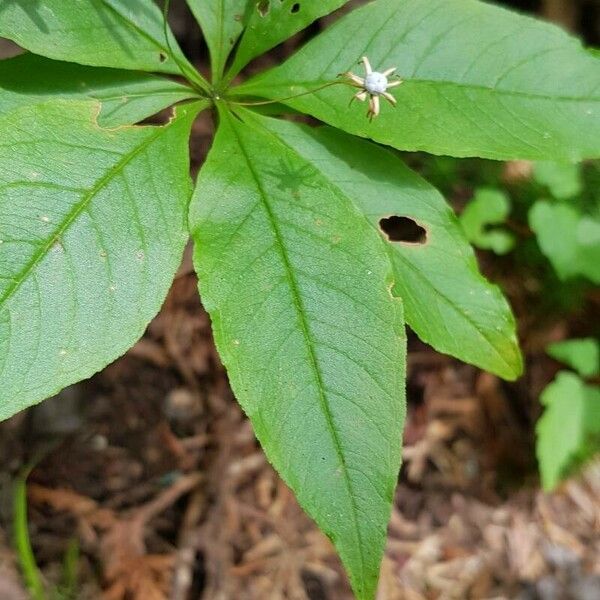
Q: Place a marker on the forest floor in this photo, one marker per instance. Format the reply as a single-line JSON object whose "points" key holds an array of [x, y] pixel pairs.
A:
{"points": [[153, 468]]}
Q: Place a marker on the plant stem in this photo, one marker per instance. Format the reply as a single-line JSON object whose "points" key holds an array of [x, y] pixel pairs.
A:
{"points": [[23, 543], [276, 100]]}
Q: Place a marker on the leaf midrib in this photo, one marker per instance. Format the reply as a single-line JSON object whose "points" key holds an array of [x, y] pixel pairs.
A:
{"points": [[393, 253], [221, 19], [74, 214], [297, 300], [252, 86], [187, 94]]}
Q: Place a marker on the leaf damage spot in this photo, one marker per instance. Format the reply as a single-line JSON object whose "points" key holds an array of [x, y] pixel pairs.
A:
{"points": [[403, 229], [162, 57], [263, 7], [295, 8]]}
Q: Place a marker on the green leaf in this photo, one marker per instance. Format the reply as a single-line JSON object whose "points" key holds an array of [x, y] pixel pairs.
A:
{"points": [[479, 81], [564, 180], [125, 34], [582, 355], [297, 286], [222, 22], [568, 431], [126, 96], [92, 228], [446, 300], [488, 207], [271, 22], [568, 239]]}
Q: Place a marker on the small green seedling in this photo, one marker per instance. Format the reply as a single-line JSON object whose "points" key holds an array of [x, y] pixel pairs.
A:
{"points": [[568, 433], [300, 244], [563, 180], [567, 231], [67, 590], [481, 219]]}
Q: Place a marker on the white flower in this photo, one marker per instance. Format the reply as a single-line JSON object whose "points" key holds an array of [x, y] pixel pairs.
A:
{"points": [[373, 85]]}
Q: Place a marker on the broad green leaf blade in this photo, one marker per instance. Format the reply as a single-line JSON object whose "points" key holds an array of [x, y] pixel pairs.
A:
{"points": [[271, 22], [124, 34], [582, 355], [297, 286], [569, 430], [127, 97], [446, 300], [479, 81], [222, 22], [92, 228], [488, 207], [570, 240]]}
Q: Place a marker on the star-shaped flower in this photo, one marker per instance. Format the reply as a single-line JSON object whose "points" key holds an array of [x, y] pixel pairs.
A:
{"points": [[373, 85]]}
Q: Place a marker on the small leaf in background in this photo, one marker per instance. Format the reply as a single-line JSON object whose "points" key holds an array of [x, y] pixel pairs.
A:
{"points": [[570, 240], [588, 236], [582, 355], [271, 22], [563, 180], [447, 302], [222, 22], [126, 97], [93, 223], [297, 284], [568, 432], [487, 208], [478, 81]]}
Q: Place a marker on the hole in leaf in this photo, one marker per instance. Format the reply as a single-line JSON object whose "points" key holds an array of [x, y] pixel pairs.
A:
{"points": [[295, 8], [162, 57], [163, 117], [403, 229], [263, 7]]}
